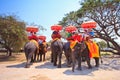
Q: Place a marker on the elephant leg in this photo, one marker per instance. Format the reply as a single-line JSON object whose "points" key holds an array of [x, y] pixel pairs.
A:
{"points": [[28, 60], [88, 62], [40, 57], [73, 61], [69, 61], [26, 65], [59, 63], [67, 58], [83, 59], [34, 57], [96, 61], [55, 59], [51, 57], [44, 57], [79, 59]]}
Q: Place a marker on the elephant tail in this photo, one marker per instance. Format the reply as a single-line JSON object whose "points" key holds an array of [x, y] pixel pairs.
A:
{"points": [[101, 59]]}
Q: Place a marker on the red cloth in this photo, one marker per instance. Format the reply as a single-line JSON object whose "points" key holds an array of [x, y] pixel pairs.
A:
{"points": [[77, 37], [56, 36], [33, 37]]}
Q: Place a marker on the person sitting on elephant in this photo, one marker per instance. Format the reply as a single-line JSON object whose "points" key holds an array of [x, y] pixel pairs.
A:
{"points": [[77, 37], [56, 35], [72, 39], [33, 36], [34, 39], [40, 41]]}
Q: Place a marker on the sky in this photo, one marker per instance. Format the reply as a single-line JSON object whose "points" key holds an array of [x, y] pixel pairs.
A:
{"points": [[41, 12]]}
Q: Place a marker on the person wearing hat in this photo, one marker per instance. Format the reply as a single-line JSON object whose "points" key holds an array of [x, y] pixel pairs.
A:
{"points": [[56, 35]]}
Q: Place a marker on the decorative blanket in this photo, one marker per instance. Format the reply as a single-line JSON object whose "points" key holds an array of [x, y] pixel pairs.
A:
{"points": [[56, 39], [93, 48], [72, 44], [36, 43]]}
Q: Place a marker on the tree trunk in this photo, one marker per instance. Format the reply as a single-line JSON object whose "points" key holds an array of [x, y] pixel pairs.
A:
{"points": [[9, 52]]}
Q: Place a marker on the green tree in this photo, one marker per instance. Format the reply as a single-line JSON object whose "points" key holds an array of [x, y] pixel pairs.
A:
{"points": [[69, 19], [102, 44], [12, 33], [107, 14]]}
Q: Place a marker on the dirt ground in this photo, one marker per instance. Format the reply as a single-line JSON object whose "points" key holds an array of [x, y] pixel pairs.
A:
{"points": [[12, 68]]}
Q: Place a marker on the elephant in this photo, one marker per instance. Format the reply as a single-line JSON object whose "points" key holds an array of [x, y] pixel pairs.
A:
{"points": [[56, 52], [81, 52], [67, 51], [30, 49], [42, 52]]}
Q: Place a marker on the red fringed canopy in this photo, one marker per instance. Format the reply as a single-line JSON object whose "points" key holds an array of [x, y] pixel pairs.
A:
{"points": [[31, 29], [56, 27], [70, 28], [42, 37], [89, 24]]}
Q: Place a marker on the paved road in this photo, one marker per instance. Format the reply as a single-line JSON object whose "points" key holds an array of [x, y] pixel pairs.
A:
{"points": [[46, 71]]}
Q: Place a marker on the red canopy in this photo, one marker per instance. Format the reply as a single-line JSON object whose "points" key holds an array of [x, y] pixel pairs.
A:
{"points": [[89, 24], [56, 27], [70, 28], [31, 29], [42, 37]]}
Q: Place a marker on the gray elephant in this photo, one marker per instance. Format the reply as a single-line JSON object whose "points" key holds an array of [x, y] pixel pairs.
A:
{"points": [[81, 52], [56, 52], [30, 49], [68, 53]]}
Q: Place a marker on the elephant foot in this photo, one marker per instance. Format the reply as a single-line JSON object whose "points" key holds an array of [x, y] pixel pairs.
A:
{"points": [[55, 64], [59, 66], [51, 61], [79, 68], [32, 61], [72, 70], [96, 65], [27, 66], [90, 67], [40, 60]]}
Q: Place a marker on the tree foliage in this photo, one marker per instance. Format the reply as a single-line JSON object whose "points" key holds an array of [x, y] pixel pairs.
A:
{"points": [[12, 33], [69, 19], [102, 44], [107, 14]]}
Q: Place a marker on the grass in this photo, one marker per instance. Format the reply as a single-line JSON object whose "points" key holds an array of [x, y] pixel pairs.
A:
{"points": [[18, 57], [106, 53]]}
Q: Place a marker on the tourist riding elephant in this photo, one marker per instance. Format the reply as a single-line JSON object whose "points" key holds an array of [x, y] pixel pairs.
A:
{"points": [[30, 49], [81, 52], [56, 52]]}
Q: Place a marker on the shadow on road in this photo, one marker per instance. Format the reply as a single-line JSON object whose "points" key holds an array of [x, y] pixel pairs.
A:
{"points": [[84, 71], [21, 65], [48, 65]]}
